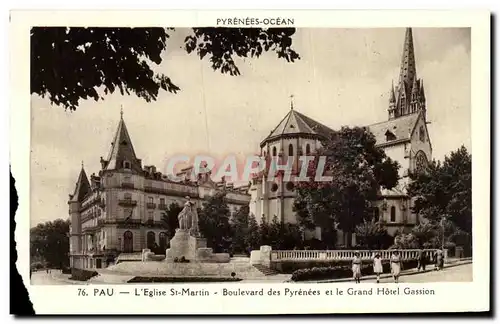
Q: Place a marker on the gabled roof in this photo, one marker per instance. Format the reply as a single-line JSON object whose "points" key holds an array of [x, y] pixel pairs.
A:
{"points": [[401, 127], [122, 150], [82, 187], [297, 123]]}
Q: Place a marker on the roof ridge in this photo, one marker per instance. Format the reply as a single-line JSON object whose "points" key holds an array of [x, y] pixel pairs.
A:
{"points": [[401, 117]]}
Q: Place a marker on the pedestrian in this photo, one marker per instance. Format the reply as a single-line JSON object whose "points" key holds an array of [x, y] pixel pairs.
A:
{"points": [[422, 260], [356, 267], [395, 266], [439, 260], [377, 266]]}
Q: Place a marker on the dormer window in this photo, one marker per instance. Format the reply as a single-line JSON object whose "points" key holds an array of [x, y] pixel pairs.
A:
{"points": [[127, 165], [389, 136]]}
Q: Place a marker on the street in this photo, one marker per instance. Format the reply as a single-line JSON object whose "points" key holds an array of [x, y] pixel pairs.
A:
{"points": [[461, 273], [44, 278]]}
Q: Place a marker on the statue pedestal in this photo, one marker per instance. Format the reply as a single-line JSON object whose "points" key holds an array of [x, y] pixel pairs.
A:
{"points": [[183, 244]]}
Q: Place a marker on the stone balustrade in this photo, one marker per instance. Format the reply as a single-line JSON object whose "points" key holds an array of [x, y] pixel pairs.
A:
{"points": [[332, 255]]}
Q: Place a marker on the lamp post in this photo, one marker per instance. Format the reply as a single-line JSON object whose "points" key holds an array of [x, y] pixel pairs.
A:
{"points": [[443, 218]]}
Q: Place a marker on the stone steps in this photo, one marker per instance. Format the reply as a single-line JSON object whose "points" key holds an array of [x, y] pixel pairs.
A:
{"points": [[265, 270]]}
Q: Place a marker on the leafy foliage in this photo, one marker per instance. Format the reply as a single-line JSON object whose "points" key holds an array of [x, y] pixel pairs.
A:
{"points": [[358, 169], [240, 229], [170, 220], [445, 190], [280, 236], [373, 235], [214, 223], [73, 63], [405, 241], [49, 241], [252, 238], [426, 235]]}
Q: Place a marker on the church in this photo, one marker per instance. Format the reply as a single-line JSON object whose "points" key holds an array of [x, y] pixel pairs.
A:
{"points": [[403, 137], [119, 211]]}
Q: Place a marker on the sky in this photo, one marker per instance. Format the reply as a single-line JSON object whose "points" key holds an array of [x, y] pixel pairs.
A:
{"points": [[342, 79]]}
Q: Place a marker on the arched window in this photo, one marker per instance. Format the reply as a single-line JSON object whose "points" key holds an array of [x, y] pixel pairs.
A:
{"points": [[163, 240], [393, 214], [151, 239], [128, 242], [290, 150], [376, 214], [308, 149], [274, 150]]}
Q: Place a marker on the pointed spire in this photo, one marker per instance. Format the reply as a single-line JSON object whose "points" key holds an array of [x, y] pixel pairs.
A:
{"points": [[422, 93], [393, 95], [122, 153], [408, 69], [82, 187], [415, 90], [121, 111]]}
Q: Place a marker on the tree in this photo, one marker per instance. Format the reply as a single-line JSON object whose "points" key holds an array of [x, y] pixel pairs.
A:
{"points": [[265, 232], [49, 241], [170, 220], [445, 189], [426, 234], [292, 237], [252, 239], [73, 63], [373, 235], [214, 223], [358, 169], [240, 229]]}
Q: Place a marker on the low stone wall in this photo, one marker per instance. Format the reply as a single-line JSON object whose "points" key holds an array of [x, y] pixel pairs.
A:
{"points": [[147, 255], [146, 269], [278, 259]]}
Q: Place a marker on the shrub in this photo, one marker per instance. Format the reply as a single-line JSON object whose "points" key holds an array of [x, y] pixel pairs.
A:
{"points": [[373, 235], [81, 274], [66, 270], [36, 266], [342, 271]]}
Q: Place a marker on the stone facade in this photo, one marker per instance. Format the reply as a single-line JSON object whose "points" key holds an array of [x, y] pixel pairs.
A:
{"points": [[120, 209]]}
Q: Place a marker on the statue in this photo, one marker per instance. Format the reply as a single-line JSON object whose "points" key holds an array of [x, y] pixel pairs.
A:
{"points": [[188, 218]]}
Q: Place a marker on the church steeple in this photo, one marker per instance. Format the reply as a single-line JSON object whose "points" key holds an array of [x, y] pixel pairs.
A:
{"points": [[408, 96], [122, 153], [408, 70]]}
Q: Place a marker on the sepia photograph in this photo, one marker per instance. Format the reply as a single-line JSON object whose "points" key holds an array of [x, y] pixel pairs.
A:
{"points": [[251, 152], [187, 191]]}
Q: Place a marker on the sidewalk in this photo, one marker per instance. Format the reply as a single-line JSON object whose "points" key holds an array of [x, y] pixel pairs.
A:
{"points": [[409, 272]]}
